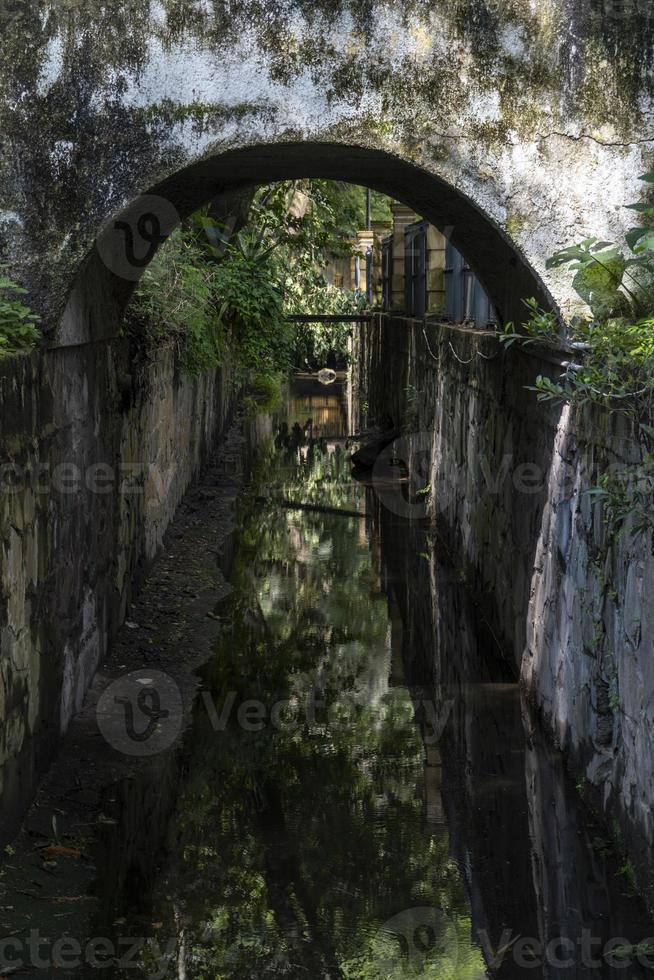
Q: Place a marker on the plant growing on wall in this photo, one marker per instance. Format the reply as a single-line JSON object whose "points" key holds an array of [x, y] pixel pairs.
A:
{"points": [[613, 349], [18, 324], [176, 305]]}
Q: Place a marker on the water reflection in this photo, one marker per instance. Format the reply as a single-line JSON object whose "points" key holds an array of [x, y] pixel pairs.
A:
{"points": [[549, 895], [366, 796], [309, 820], [323, 406]]}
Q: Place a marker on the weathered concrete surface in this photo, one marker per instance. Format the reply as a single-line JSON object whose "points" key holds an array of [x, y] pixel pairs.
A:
{"points": [[567, 602], [518, 126], [96, 452], [589, 658], [471, 428]]}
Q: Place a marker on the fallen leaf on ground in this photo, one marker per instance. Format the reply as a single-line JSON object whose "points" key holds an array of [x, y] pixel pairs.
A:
{"points": [[58, 850]]}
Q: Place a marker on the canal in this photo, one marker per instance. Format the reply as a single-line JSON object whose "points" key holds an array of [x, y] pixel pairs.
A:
{"points": [[365, 795]]}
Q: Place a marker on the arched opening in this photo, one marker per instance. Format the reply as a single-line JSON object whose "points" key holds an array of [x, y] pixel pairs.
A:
{"points": [[100, 295]]}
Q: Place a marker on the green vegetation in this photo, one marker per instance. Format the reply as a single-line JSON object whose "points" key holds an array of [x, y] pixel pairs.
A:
{"points": [[309, 223], [627, 870], [176, 304], [541, 327], [615, 350], [18, 325], [210, 295]]}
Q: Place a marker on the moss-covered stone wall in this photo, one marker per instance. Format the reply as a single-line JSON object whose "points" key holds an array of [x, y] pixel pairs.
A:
{"points": [[536, 117]]}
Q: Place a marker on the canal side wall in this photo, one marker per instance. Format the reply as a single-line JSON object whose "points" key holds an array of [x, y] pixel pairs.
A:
{"points": [[567, 601], [96, 451]]}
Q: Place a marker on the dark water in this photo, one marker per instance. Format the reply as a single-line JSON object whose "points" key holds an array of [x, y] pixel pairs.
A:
{"points": [[323, 405], [366, 796]]}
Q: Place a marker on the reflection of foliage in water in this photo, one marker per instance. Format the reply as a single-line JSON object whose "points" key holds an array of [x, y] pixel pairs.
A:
{"points": [[298, 841]]}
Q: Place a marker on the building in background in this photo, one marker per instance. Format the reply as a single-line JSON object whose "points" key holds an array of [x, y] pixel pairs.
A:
{"points": [[421, 273], [357, 271], [408, 266]]}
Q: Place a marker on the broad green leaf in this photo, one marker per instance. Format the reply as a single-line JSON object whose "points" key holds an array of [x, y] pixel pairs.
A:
{"points": [[599, 286], [641, 208], [634, 235], [566, 256], [646, 242]]}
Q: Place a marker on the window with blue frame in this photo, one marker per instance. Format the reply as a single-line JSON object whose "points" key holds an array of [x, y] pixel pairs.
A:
{"points": [[387, 273], [415, 268], [369, 275], [453, 275], [465, 297]]}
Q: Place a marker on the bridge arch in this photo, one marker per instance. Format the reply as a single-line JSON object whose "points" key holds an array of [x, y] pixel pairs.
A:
{"points": [[522, 126], [107, 276]]}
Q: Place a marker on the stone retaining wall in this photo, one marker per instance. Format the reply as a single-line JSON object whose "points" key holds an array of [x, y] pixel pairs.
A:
{"points": [[96, 452], [567, 601]]}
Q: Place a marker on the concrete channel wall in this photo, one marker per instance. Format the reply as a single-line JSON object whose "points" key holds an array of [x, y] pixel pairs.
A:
{"points": [[567, 601], [96, 452]]}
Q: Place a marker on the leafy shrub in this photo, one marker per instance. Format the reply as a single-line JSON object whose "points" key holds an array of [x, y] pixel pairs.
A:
{"points": [[615, 345], [541, 327], [207, 295], [176, 304], [613, 354], [248, 280], [18, 325], [307, 222]]}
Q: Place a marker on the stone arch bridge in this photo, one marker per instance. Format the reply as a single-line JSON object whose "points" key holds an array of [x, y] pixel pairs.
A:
{"points": [[516, 126]]}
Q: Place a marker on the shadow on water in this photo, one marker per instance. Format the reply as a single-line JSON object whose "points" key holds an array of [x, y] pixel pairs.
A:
{"points": [[365, 795]]}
